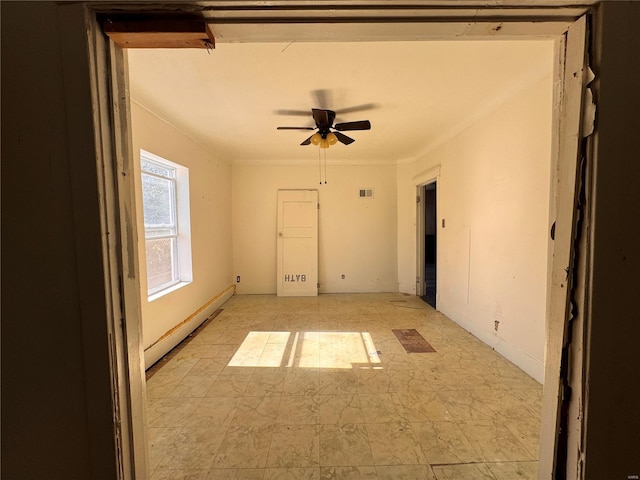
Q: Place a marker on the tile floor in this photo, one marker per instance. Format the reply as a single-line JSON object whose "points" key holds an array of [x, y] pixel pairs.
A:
{"points": [[320, 388]]}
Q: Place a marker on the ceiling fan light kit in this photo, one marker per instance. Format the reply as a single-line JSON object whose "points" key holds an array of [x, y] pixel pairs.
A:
{"points": [[324, 142]]}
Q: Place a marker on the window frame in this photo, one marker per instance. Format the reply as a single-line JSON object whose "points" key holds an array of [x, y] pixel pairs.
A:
{"points": [[179, 228]]}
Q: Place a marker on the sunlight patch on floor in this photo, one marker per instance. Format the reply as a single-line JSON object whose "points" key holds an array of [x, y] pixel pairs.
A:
{"points": [[339, 350]]}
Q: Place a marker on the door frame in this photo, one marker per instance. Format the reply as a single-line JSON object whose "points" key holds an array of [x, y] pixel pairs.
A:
{"points": [[421, 180], [353, 19]]}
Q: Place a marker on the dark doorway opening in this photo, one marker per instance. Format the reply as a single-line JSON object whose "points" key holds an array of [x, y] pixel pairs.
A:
{"points": [[430, 243]]}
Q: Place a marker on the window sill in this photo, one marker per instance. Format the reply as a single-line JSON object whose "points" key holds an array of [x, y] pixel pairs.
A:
{"points": [[166, 291]]}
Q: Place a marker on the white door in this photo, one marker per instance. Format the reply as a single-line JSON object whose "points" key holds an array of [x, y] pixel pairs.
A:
{"points": [[297, 243]]}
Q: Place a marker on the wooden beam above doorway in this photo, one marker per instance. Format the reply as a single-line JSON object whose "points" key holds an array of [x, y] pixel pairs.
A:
{"points": [[130, 31]]}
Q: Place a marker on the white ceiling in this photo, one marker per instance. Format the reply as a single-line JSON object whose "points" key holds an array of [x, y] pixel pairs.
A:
{"points": [[423, 93]]}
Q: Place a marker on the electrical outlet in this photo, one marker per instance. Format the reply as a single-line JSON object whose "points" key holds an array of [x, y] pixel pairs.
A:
{"points": [[238, 279], [343, 276]]}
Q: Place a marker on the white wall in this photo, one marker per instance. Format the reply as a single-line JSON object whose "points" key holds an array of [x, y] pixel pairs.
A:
{"points": [[493, 193], [357, 237], [210, 202]]}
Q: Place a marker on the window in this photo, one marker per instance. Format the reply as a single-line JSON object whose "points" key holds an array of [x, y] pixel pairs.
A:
{"points": [[165, 200]]}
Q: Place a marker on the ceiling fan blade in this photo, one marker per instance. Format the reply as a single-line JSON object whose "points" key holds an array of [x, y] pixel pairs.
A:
{"points": [[342, 138], [295, 128], [323, 118], [295, 113], [307, 141], [357, 108], [359, 125]]}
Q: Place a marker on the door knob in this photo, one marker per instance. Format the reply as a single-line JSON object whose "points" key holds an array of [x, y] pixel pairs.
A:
{"points": [[279, 234]]}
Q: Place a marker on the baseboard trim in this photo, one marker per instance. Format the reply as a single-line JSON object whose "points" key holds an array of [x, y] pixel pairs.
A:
{"points": [[179, 332]]}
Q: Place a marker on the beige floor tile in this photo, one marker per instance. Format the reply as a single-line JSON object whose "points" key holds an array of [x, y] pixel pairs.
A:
{"points": [[514, 470], [193, 386], [208, 434], [420, 407], [394, 444], [465, 404], [225, 473], [340, 409], [476, 471], [190, 455], [256, 411], [250, 474], [374, 381], [381, 408], [208, 366], [197, 351], [176, 366], [444, 442], [338, 383], [532, 398], [162, 436], [294, 446], [161, 475], [237, 370], [527, 430], [299, 410], [235, 474], [301, 381], [161, 385], [244, 447], [446, 380], [170, 412], [494, 441], [270, 382], [405, 472], [213, 411], [190, 475], [343, 445], [206, 336], [157, 453], [181, 474], [518, 379], [229, 386], [396, 361], [292, 473], [231, 337], [411, 381], [509, 404], [213, 417], [348, 473]]}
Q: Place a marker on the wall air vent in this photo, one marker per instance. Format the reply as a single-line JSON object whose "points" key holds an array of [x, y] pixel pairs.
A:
{"points": [[365, 193]]}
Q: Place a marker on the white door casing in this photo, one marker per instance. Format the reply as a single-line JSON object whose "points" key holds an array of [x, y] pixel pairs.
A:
{"points": [[297, 243]]}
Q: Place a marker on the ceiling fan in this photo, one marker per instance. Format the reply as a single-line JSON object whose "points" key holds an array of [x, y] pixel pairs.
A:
{"points": [[327, 133]]}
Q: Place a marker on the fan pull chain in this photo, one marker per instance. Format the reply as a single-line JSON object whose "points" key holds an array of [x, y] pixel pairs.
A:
{"points": [[319, 167], [325, 166]]}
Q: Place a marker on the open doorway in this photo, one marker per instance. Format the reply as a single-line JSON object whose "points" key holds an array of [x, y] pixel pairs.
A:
{"points": [[427, 241], [430, 244], [435, 256]]}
